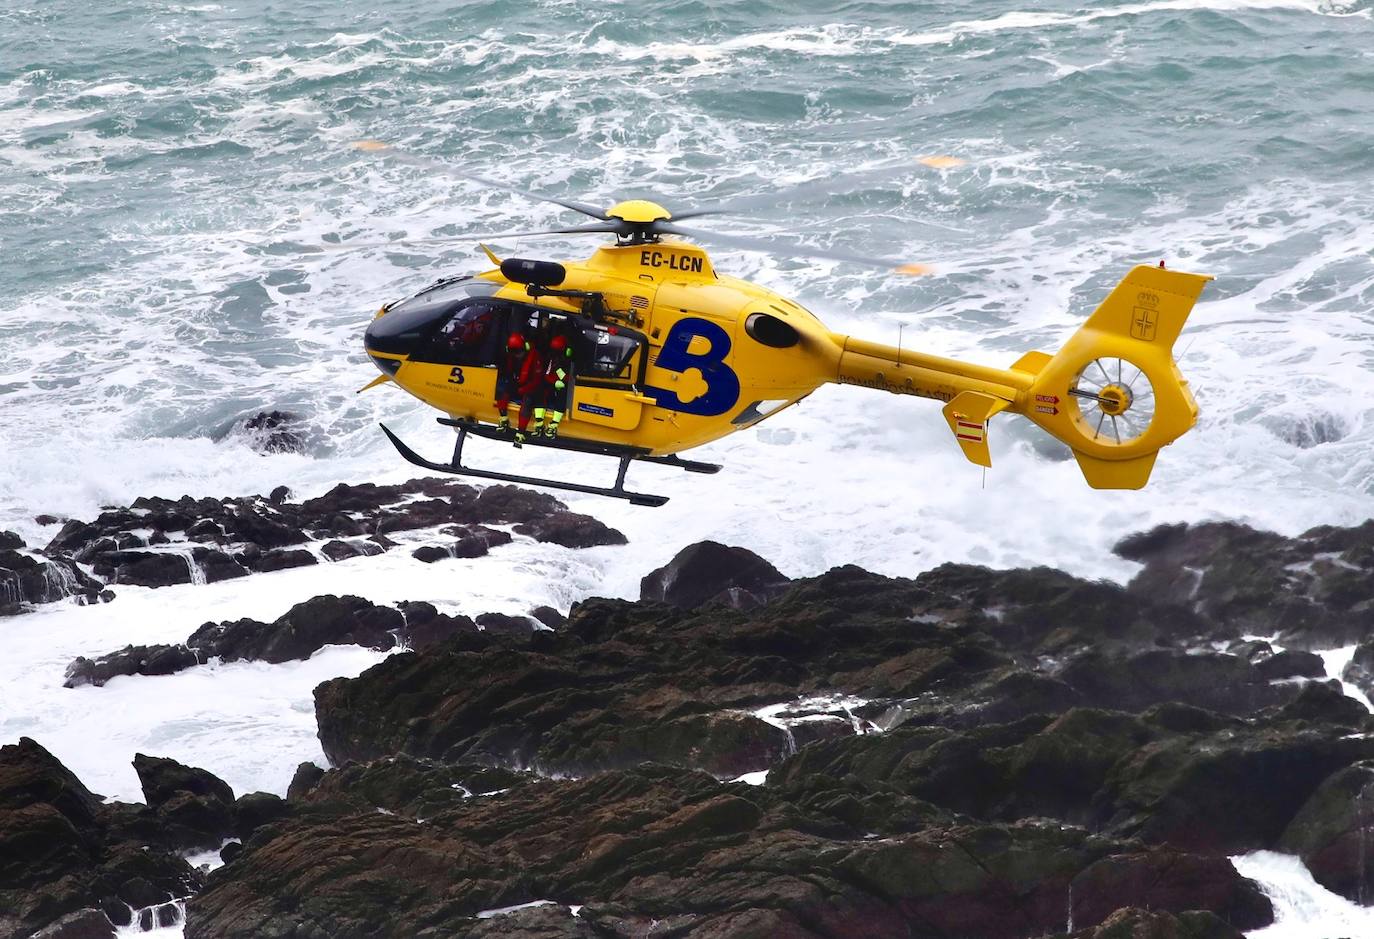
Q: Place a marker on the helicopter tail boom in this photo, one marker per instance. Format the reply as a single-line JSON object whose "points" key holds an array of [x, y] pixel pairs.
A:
{"points": [[1113, 393]]}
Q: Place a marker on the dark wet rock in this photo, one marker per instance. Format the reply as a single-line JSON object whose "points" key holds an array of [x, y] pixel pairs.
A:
{"points": [[274, 432], [217, 565], [162, 779], [1210, 680], [255, 809], [549, 617], [64, 851], [25, 579], [1312, 592], [230, 852], [82, 924], [342, 550], [282, 559], [72, 536], [711, 572], [250, 521], [300, 632], [158, 916], [147, 568], [570, 530], [1135, 923], [518, 628], [1168, 880], [1360, 671], [430, 553], [1290, 663], [1224, 793], [1332, 833], [131, 660], [205, 540], [655, 844], [474, 541], [306, 777], [640, 668], [1047, 612], [10, 541], [31, 776], [1324, 703], [205, 530], [426, 627], [502, 505], [345, 526], [194, 807], [46, 519]]}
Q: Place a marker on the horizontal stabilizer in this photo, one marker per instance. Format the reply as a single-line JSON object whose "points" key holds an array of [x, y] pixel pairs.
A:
{"points": [[1032, 362], [968, 416]]}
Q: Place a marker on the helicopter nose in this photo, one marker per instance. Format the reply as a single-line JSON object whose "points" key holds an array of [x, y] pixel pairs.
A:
{"points": [[400, 332]]}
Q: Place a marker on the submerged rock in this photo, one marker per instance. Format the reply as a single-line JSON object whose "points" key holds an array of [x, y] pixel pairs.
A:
{"points": [[131, 660], [296, 635], [274, 432]]}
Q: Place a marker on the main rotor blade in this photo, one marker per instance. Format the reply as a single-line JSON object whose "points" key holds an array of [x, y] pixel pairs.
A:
{"points": [[403, 242], [793, 250], [830, 185], [380, 146]]}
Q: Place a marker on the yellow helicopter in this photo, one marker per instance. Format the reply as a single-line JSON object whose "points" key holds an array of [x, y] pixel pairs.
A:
{"points": [[659, 352]]}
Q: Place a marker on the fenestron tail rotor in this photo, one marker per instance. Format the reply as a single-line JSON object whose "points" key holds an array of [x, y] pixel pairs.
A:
{"points": [[1115, 400], [639, 221]]}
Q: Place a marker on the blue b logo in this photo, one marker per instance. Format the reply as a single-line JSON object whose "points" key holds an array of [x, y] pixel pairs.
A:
{"points": [[722, 384]]}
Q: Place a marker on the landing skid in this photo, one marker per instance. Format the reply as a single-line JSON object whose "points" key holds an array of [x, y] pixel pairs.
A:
{"points": [[624, 454]]}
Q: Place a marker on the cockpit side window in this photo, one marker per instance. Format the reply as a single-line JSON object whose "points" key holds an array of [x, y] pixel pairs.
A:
{"points": [[602, 354], [473, 334]]}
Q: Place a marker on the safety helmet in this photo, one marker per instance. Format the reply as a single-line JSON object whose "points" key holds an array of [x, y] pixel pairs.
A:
{"points": [[516, 341], [558, 343]]}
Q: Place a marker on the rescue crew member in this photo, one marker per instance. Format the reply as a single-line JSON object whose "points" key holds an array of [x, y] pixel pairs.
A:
{"points": [[557, 374], [519, 365]]}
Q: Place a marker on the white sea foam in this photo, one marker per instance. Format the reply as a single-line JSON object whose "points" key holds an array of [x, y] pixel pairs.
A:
{"points": [[1302, 907], [250, 723]]}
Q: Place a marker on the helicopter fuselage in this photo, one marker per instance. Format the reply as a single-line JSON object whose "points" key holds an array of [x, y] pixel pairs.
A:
{"points": [[692, 355], [669, 355]]}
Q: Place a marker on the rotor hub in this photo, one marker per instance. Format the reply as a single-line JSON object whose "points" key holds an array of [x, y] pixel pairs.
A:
{"points": [[639, 212], [1115, 399]]}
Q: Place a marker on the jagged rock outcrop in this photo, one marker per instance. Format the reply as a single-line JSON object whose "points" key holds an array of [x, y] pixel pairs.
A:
{"points": [[194, 808], [65, 853], [131, 660], [1311, 592], [1333, 831], [695, 855], [25, 579], [709, 572], [625, 682], [1002, 754], [301, 632], [157, 542]]}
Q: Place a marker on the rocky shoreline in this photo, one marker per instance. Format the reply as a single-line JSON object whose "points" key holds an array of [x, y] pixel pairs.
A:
{"points": [[970, 752]]}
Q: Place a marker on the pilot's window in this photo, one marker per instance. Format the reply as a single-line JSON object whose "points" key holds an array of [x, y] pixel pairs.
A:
{"points": [[473, 334]]}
